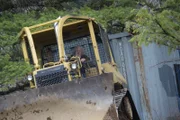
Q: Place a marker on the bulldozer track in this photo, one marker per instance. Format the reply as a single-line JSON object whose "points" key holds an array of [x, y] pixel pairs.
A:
{"points": [[118, 96]]}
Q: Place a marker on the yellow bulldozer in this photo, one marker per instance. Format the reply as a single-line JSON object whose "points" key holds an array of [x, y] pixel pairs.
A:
{"points": [[65, 85]]}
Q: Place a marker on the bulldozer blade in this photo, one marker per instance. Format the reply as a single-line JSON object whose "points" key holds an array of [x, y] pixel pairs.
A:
{"points": [[85, 99]]}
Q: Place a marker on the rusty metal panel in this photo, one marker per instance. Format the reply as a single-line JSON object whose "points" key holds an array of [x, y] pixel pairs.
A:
{"points": [[132, 75], [160, 79], [139, 63], [118, 53], [150, 73], [124, 57]]}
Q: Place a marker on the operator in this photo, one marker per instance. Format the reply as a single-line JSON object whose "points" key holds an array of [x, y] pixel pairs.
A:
{"points": [[49, 55], [80, 53]]}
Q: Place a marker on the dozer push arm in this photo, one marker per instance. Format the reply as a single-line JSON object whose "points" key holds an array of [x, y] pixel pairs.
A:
{"points": [[109, 68]]}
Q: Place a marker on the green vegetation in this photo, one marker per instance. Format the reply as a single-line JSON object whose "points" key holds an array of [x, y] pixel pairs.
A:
{"points": [[148, 22], [159, 24]]}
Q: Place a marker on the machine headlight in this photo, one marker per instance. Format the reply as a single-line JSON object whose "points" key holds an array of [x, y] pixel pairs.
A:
{"points": [[29, 77], [74, 66]]}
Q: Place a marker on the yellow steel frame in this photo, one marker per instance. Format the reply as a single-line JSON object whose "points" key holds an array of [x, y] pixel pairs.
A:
{"points": [[60, 42], [24, 49], [32, 47], [95, 46]]}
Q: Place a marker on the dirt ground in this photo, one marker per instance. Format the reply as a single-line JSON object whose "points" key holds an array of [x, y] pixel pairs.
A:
{"points": [[56, 110]]}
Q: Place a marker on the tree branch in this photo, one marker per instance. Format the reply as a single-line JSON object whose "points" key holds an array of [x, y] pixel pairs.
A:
{"points": [[166, 31]]}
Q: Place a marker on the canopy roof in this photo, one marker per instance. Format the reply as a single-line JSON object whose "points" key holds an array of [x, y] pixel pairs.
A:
{"points": [[71, 30]]}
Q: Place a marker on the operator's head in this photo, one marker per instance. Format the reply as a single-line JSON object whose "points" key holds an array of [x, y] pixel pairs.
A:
{"points": [[79, 51]]}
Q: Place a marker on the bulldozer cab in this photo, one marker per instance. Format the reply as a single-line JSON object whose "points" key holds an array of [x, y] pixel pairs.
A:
{"points": [[51, 48]]}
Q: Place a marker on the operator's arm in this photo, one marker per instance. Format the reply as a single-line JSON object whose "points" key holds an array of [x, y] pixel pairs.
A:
{"points": [[84, 58]]}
